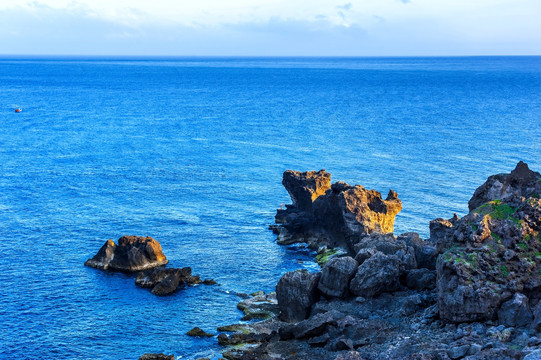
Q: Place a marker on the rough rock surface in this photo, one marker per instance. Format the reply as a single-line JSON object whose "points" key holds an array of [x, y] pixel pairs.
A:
{"points": [[515, 312], [198, 332], [296, 293], [133, 253], [492, 253], [335, 216], [336, 275], [509, 188], [305, 187], [259, 306], [480, 300], [157, 357], [380, 273], [166, 281]]}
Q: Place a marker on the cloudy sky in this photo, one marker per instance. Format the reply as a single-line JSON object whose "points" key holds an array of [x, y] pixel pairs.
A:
{"points": [[271, 27]]}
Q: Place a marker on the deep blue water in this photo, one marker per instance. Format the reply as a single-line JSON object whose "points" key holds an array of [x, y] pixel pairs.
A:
{"points": [[191, 152]]}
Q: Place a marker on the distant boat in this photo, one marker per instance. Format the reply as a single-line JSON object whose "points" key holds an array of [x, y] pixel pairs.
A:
{"points": [[18, 109]]}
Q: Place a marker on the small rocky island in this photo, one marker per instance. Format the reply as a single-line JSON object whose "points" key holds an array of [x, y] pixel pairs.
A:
{"points": [[470, 291], [144, 256]]}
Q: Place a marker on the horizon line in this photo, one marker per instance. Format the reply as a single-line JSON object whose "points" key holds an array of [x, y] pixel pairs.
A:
{"points": [[252, 56]]}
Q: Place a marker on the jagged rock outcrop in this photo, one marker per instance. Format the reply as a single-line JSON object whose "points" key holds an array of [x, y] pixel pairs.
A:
{"points": [[510, 188], [409, 298], [305, 187], [133, 253], [494, 252], [334, 215], [296, 292], [349, 211]]}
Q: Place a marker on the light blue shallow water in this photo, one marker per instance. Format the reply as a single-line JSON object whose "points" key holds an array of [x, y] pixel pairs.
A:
{"points": [[191, 151]]}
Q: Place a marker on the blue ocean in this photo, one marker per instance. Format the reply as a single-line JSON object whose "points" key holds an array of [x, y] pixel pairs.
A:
{"points": [[191, 151]]}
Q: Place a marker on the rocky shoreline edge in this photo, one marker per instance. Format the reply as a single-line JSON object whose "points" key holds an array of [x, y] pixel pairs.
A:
{"points": [[470, 291]]}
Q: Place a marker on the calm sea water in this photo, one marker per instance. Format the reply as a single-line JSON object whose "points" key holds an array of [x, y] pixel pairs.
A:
{"points": [[191, 152]]}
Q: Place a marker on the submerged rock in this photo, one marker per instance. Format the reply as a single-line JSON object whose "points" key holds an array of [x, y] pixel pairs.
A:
{"points": [[157, 357], [259, 306], [133, 253], [198, 332]]}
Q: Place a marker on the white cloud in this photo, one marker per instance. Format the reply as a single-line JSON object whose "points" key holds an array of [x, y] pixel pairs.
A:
{"points": [[271, 27]]}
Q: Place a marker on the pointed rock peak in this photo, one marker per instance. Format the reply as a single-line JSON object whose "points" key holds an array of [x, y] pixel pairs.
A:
{"points": [[522, 172], [392, 195]]}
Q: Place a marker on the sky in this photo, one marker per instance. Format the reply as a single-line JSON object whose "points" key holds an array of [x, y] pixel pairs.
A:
{"points": [[270, 27]]}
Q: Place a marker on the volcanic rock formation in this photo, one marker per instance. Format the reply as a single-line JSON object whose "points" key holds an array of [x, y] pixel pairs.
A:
{"points": [[472, 291], [133, 253], [493, 253], [337, 215]]}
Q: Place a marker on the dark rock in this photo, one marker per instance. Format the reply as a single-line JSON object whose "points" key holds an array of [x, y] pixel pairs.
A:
{"points": [[335, 217], [425, 252], [209, 282], [104, 256], [411, 305], [534, 355], [364, 254], [458, 352], [474, 349], [350, 211], [350, 355], [286, 332], [167, 286], [133, 253], [260, 306], [441, 232], [421, 279], [378, 274], [336, 275], [198, 332], [164, 281], [461, 301], [515, 312], [223, 340], [313, 326], [536, 324], [319, 341], [340, 344], [194, 280], [388, 244], [296, 292], [491, 252], [151, 278], [157, 357], [509, 188], [305, 187]]}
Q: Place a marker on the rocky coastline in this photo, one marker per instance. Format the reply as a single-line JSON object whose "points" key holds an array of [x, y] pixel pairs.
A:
{"points": [[470, 291]]}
